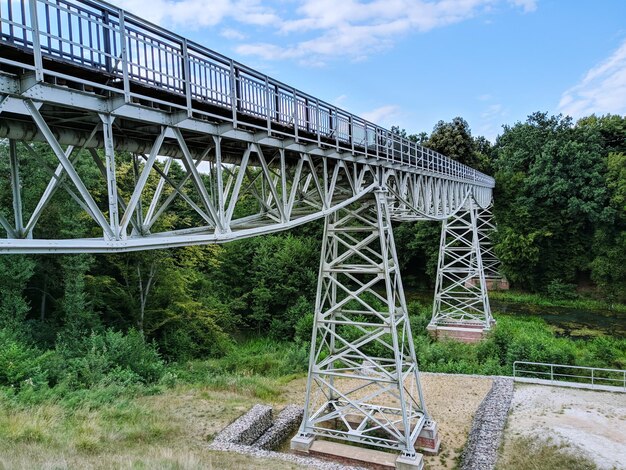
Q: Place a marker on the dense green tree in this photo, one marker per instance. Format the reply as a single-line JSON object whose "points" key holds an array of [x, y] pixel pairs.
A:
{"points": [[550, 194], [453, 139]]}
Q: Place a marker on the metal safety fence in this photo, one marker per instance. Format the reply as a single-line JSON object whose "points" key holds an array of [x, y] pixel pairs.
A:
{"points": [[561, 374]]}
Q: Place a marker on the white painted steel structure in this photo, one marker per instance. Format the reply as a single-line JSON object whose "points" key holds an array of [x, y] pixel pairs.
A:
{"points": [[461, 289], [96, 84]]}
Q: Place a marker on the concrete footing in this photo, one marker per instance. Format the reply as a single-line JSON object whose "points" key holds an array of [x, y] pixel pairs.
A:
{"points": [[302, 443], [465, 333], [428, 440], [413, 462], [491, 283]]}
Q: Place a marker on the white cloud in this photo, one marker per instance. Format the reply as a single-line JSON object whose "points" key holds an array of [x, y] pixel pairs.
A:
{"points": [[318, 30], [193, 14], [384, 116], [357, 28], [340, 101], [601, 91], [230, 33], [527, 5], [490, 121]]}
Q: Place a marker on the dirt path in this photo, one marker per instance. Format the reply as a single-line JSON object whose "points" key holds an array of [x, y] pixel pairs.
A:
{"points": [[592, 422]]}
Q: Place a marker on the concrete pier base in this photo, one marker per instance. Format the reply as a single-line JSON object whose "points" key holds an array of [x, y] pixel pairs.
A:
{"points": [[375, 459], [491, 283], [465, 333], [301, 443], [428, 440], [413, 462]]}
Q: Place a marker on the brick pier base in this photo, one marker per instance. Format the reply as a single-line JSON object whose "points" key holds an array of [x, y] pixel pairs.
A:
{"points": [[458, 332]]}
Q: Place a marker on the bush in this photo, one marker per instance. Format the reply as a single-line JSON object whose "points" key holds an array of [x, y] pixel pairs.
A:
{"points": [[558, 290], [112, 357], [20, 363]]}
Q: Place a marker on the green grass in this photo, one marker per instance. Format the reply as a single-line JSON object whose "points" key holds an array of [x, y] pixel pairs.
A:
{"points": [[540, 300]]}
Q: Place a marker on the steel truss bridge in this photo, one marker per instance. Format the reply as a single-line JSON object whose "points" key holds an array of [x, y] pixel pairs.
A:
{"points": [[92, 84]]}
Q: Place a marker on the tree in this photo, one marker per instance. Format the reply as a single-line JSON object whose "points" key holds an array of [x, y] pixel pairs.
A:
{"points": [[550, 194], [453, 139]]}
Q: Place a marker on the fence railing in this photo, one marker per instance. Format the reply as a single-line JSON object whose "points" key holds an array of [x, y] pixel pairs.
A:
{"points": [[591, 377], [127, 49]]}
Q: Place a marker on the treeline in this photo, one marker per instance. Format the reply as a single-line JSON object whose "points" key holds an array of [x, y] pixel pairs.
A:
{"points": [[560, 204]]}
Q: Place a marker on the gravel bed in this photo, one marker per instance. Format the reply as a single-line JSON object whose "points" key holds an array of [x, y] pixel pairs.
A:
{"points": [[309, 462], [248, 428], [481, 450], [283, 427]]}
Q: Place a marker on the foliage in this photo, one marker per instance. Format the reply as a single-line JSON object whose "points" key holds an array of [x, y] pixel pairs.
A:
{"points": [[556, 184], [512, 339]]}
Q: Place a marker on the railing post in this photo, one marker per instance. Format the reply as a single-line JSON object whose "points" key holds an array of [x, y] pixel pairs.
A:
{"points": [[187, 77], [234, 101], [551, 372], [336, 129], [106, 38], [351, 133], [592, 370], [268, 101], [34, 24], [124, 48], [295, 113]]}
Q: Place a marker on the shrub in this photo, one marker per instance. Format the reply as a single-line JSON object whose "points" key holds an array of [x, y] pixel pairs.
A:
{"points": [[20, 363], [113, 357], [558, 290]]}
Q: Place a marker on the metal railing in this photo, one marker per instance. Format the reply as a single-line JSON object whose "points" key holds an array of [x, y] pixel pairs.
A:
{"points": [[592, 377], [125, 49]]}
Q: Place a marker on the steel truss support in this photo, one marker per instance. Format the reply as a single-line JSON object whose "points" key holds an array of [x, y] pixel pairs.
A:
{"points": [[461, 298], [486, 228], [363, 383]]}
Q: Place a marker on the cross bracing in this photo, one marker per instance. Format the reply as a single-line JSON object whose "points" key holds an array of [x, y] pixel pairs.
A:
{"points": [[88, 90]]}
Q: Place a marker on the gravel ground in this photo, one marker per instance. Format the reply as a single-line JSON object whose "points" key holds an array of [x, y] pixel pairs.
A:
{"points": [[481, 450], [590, 422], [452, 401]]}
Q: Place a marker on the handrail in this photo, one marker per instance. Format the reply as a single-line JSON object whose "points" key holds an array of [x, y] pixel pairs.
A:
{"points": [[607, 377], [105, 38]]}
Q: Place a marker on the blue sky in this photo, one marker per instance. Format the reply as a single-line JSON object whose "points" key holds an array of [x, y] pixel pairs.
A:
{"points": [[415, 62]]}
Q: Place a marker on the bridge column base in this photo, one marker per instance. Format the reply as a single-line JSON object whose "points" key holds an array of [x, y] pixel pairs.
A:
{"points": [[492, 284], [301, 443], [458, 332], [428, 440]]}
